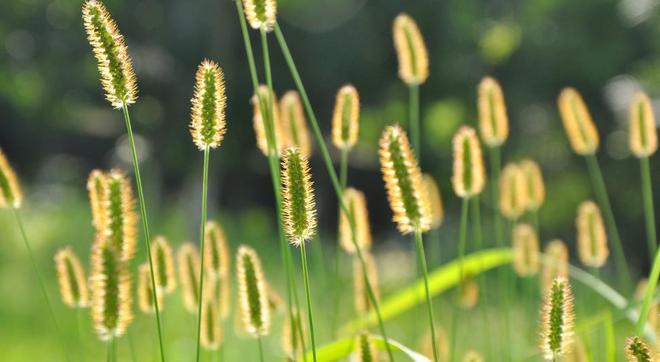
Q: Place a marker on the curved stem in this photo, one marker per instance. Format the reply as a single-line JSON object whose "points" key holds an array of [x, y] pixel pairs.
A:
{"points": [[308, 296], [649, 211], [202, 237], [419, 242], [413, 91]]}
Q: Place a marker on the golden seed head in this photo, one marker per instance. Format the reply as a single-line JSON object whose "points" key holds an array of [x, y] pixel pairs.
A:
{"points": [[434, 201], [71, 278], [513, 191], [556, 263], [640, 290], [298, 206], [365, 349], [113, 61], [557, 320], [252, 293], [291, 334], [526, 255], [188, 263], [275, 300], [208, 125], [426, 345], [145, 291], [643, 131], [10, 190], [221, 288], [356, 203], [468, 176], [162, 259], [216, 251], [346, 118], [591, 235], [469, 293], [403, 182], [261, 14], [211, 323], [410, 50], [294, 124], [493, 120], [110, 284], [473, 356], [96, 188], [265, 96], [638, 351], [361, 296], [580, 128], [119, 206], [534, 182]]}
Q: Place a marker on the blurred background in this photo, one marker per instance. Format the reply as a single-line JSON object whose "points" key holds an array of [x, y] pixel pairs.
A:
{"points": [[55, 125]]}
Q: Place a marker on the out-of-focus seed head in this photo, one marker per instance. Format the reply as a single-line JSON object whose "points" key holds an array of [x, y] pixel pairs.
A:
{"points": [[469, 293], [513, 192], [188, 265], [252, 293], [261, 14], [410, 50], [162, 258], [526, 255], [591, 235], [265, 97], [294, 125], [442, 343], [557, 320], [145, 291], [291, 334], [642, 127], [535, 184], [119, 205], [114, 63], [361, 296], [365, 350], [580, 128], [275, 301], [356, 203], [71, 279], [216, 251], [468, 176], [473, 356], [298, 206], [493, 120], [208, 124], [555, 264], [96, 188], [434, 201], [211, 327], [346, 118], [403, 182], [638, 351], [10, 190]]}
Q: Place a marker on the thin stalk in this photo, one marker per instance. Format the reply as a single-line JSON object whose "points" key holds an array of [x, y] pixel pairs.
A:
{"points": [[114, 349], [108, 351], [429, 305], [333, 176], [462, 235], [202, 234], [145, 225], [413, 125], [343, 169], [343, 177], [130, 345], [308, 296], [478, 243], [261, 349], [534, 215], [648, 296], [495, 167], [601, 194], [649, 211], [81, 340]]}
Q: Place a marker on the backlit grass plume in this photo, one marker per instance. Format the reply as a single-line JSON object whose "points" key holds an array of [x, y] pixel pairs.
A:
{"points": [[163, 262], [556, 263], [275, 301], [298, 206], [360, 296], [119, 205], [557, 320], [260, 127], [410, 50], [434, 201], [96, 188], [261, 14], [145, 292], [468, 176], [114, 63], [291, 337], [580, 128], [526, 255], [294, 124], [71, 278], [473, 356], [365, 350], [642, 127], [468, 293], [346, 117], [216, 252], [513, 192], [403, 181], [211, 327], [252, 296], [638, 351], [208, 125], [110, 284], [10, 190], [534, 182], [189, 264], [442, 341], [356, 203], [493, 119], [591, 235]]}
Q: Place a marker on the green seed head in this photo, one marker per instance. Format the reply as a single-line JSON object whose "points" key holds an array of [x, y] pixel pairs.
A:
{"points": [[71, 278], [119, 206], [252, 293], [216, 251], [261, 14], [298, 206], [10, 191], [638, 351], [208, 125], [468, 176], [642, 127], [557, 322], [188, 263], [345, 118], [365, 350], [162, 259]]}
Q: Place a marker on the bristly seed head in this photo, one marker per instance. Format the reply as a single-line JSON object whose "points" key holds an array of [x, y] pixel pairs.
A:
{"points": [[10, 190], [216, 251], [365, 350], [211, 323], [526, 254], [208, 125], [119, 206], [145, 291], [261, 14], [434, 201], [638, 351], [356, 203], [294, 124], [252, 293], [534, 182], [96, 188], [493, 120], [114, 63], [346, 118], [410, 50], [298, 206], [162, 259], [557, 320], [361, 297], [403, 182], [291, 337], [591, 235], [642, 127], [472, 356], [513, 192], [188, 263], [580, 128], [258, 120], [71, 279], [468, 176], [556, 263]]}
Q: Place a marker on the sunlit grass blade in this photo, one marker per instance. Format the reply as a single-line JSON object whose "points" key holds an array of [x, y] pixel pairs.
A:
{"points": [[342, 348]]}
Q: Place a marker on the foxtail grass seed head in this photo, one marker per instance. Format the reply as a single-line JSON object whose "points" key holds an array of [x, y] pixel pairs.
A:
{"points": [[365, 350], [163, 263], [110, 284], [252, 293], [10, 190], [356, 203], [96, 188], [145, 291], [275, 301], [211, 327], [119, 205], [216, 251], [638, 351], [556, 263], [580, 128], [526, 255], [442, 344], [640, 290], [403, 182], [346, 118], [258, 119], [591, 235], [473, 356], [557, 320], [188, 263], [294, 124], [298, 206], [261, 14], [468, 176], [208, 125], [642, 128], [535, 185], [493, 119], [360, 294], [224, 296], [291, 337], [434, 201], [71, 279], [469, 296], [410, 50], [114, 63], [513, 192]]}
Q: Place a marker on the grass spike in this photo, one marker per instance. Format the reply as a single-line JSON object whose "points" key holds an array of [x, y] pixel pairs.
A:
{"points": [[163, 262], [293, 123], [211, 327], [513, 192], [578, 124], [642, 127], [493, 119], [261, 14], [526, 255], [291, 338], [356, 202], [472, 356], [119, 205], [208, 124], [591, 235], [216, 253], [298, 205], [638, 351], [534, 182], [10, 190], [144, 292], [557, 320], [557, 252], [434, 201], [468, 176], [258, 122], [189, 264], [71, 278], [346, 118], [96, 188], [410, 50], [365, 350], [252, 293]]}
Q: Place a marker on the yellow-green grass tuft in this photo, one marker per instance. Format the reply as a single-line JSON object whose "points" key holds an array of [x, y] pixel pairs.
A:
{"points": [[71, 278], [493, 119], [145, 291], [442, 343], [526, 254], [298, 205], [580, 128], [557, 320], [96, 188], [360, 294], [119, 206], [642, 127], [261, 14], [216, 251], [469, 177], [534, 182], [513, 192], [434, 201], [294, 125], [291, 337], [638, 351], [556, 265], [356, 203], [258, 120], [346, 118], [469, 293], [10, 190], [252, 293], [188, 264], [208, 124], [410, 50], [591, 235], [211, 327], [162, 259], [365, 349]]}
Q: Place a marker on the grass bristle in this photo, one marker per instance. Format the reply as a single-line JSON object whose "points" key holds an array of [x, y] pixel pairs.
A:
{"points": [[557, 320], [493, 119], [469, 293], [119, 206], [591, 235], [580, 128], [211, 327], [265, 96], [556, 264], [163, 264], [442, 343], [410, 50], [642, 126], [513, 192], [208, 125], [472, 356], [10, 190], [526, 254], [252, 293], [71, 278], [356, 203], [638, 351], [188, 264], [145, 291], [534, 182], [298, 205], [291, 338], [261, 14], [346, 118], [365, 350], [469, 177], [294, 124], [216, 251], [434, 201]]}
